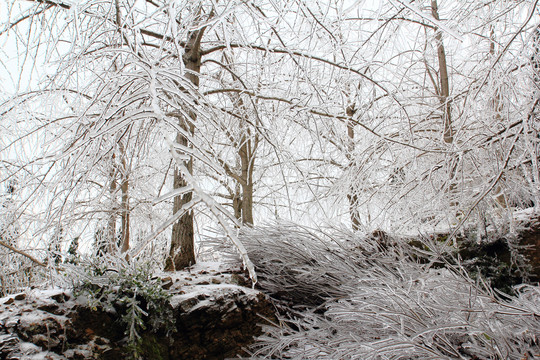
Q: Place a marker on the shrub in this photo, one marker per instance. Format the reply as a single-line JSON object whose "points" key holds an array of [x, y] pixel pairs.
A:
{"points": [[129, 290]]}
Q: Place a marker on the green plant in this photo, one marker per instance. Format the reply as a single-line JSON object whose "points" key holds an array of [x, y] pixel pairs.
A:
{"points": [[130, 290]]}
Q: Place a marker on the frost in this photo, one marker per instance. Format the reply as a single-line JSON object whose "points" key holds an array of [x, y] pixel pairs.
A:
{"points": [[347, 300], [430, 19]]}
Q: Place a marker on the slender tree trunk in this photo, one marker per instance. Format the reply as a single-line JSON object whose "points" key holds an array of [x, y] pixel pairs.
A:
{"points": [[124, 187], [182, 250], [125, 216], [247, 147], [247, 193], [110, 235], [535, 60], [247, 163], [446, 105], [535, 150], [444, 87], [237, 202], [351, 196], [496, 101], [497, 107]]}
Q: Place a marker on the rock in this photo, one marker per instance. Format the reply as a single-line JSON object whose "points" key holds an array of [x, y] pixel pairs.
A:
{"points": [[11, 322], [9, 301], [88, 324], [211, 321], [218, 324], [61, 297], [50, 308], [46, 341], [167, 282], [8, 343], [42, 329], [27, 348], [495, 261], [503, 260]]}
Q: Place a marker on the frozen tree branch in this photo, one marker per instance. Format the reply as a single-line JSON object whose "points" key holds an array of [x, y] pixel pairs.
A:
{"points": [[20, 252]]}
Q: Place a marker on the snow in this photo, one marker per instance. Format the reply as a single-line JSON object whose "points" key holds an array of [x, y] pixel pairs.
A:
{"points": [[34, 352], [214, 290], [205, 282], [524, 215], [34, 317], [47, 294], [518, 215]]}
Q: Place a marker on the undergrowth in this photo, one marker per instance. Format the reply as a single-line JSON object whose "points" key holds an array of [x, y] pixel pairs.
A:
{"points": [[129, 290], [345, 296]]}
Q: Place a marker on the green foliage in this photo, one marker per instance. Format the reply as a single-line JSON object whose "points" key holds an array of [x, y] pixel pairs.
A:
{"points": [[148, 347], [130, 290], [73, 256]]}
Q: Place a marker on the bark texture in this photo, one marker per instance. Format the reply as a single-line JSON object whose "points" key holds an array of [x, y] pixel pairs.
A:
{"points": [[182, 249]]}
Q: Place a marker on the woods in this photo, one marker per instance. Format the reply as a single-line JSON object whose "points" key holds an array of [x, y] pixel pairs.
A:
{"points": [[141, 129], [426, 113]]}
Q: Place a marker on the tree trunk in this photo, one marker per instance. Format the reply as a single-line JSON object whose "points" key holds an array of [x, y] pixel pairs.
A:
{"points": [[182, 250], [110, 233], [237, 202], [247, 202], [246, 149], [351, 196], [535, 59], [444, 87], [497, 107], [246, 153], [124, 187]]}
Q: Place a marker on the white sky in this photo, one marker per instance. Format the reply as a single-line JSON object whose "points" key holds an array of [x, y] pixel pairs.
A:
{"points": [[11, 61]]}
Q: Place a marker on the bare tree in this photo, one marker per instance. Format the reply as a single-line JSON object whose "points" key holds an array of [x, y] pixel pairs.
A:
{"points": [[338, 117], [182, 253]]}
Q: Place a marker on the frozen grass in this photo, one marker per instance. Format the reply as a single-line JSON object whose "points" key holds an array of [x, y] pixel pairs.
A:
{"points": [[348, 297]]}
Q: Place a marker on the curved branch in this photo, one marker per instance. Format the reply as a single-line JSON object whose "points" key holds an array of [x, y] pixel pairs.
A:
{"points": [[34, 260]]}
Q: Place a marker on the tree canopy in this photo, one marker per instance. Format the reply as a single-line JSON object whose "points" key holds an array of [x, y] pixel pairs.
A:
{"points": [[122, 119]]}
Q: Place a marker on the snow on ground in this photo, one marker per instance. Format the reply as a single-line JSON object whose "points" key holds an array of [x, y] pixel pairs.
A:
{"points": [[34, 321], [204, 283], [506, 218]]}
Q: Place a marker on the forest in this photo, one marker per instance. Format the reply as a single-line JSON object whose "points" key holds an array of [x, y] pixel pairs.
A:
{"points": [[355, 158]]}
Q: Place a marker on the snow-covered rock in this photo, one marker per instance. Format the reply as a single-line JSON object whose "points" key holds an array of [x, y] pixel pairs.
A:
{"points": [[214, 318]]}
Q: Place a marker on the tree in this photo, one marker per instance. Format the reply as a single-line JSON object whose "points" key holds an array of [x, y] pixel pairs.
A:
{"points": [[338, 117], [138, 83], [182, 253]]}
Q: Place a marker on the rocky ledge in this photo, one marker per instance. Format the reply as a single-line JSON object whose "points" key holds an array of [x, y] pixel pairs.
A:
{"points": [[214, 318]]}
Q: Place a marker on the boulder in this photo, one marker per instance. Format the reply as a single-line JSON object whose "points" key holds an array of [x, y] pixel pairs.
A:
{"points": [[503, 258], [213, 319]]}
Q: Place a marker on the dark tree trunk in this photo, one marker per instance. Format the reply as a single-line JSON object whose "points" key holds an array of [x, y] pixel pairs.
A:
{"points": [[182, 250]]}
